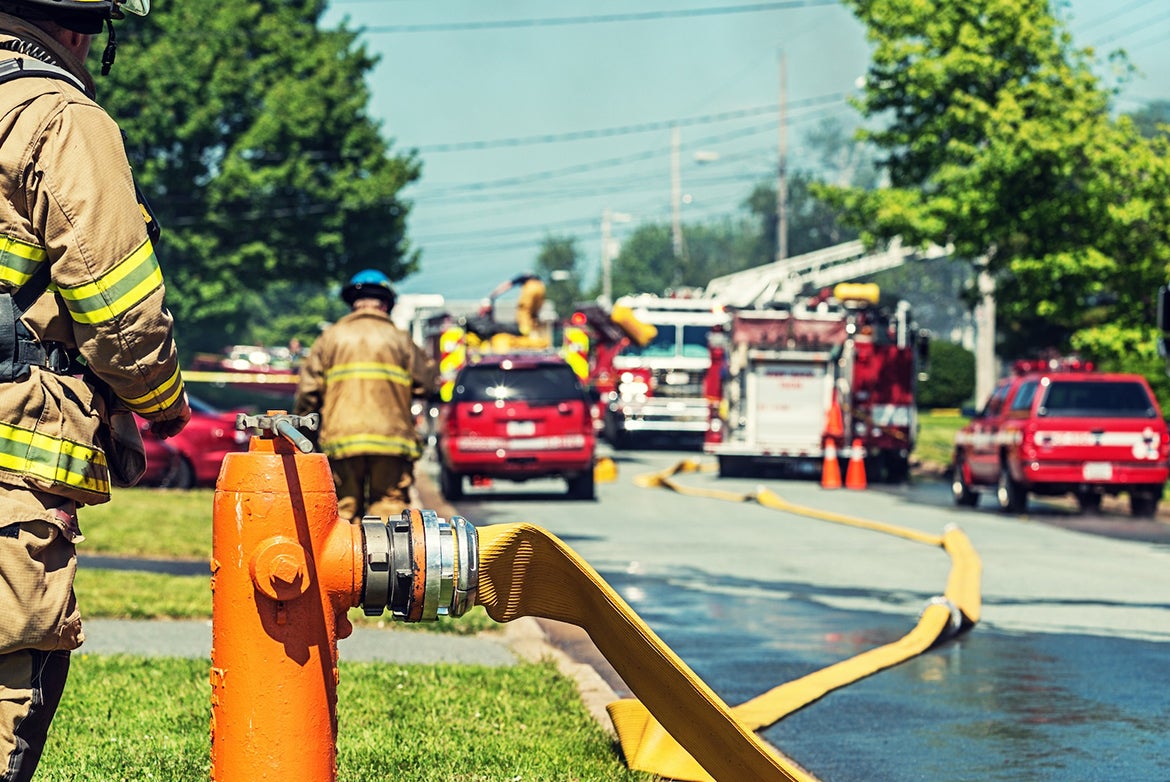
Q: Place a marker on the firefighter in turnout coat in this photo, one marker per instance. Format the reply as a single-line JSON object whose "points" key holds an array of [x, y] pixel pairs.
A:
{"points": [[361, 375], [76, 239]]}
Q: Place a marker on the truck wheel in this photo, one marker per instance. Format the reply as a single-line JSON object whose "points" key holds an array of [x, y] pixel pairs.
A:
{"points": [[732, 467], [1013, 498], [582, 487], [896, 468], [961, 491], [1143, 504], [1088, 501], [450, 483]]}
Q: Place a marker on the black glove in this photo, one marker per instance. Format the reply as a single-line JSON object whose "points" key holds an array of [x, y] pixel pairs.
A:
{"points": [[172, 426]]}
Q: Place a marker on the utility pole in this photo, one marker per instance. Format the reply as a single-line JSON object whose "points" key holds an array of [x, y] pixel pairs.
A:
{"points": [[782, 172], [676, 234]]}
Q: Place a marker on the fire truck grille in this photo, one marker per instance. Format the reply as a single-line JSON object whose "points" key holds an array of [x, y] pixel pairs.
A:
{"points": [[677, 383]]}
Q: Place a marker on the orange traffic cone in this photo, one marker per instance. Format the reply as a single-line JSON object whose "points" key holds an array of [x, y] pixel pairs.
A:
{"points": [[855, 476], [831, 471], [834, 424]]}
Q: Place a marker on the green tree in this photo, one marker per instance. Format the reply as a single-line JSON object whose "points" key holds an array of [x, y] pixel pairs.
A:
{"points": [[996, 137], [248, 130], [951, 381], [559, 264], [1153, 119]]}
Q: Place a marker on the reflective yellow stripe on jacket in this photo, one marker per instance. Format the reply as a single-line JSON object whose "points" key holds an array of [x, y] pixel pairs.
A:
{"points": [[366, 444], [27, 452], [116, 291], [160, 398], [18, 260], [368, 370]]}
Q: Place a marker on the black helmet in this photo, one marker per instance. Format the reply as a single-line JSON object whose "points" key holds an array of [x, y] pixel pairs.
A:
{"points": [[369, 284], [82, 16]]}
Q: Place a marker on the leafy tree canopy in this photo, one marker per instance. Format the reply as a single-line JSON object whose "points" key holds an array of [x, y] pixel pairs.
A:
{"points": [[997, 139], [559, 264], [248, 130]]}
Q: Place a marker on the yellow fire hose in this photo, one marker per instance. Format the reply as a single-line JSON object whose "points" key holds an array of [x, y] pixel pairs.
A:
{"points": [[679, 728]]}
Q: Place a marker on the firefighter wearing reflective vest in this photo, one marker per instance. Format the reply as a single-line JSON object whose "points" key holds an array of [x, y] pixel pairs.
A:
{"points": [[79, 286], [361, 375]]}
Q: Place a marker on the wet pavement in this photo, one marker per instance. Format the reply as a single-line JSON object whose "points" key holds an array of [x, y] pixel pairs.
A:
{"points": [[989, 706]]}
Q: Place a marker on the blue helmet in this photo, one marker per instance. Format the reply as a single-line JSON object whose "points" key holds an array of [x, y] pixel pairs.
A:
{"points": [[369, 284]]}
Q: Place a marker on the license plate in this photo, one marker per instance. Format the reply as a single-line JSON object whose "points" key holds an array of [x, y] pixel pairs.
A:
{"points": [[1097, 471], [520, 428]]}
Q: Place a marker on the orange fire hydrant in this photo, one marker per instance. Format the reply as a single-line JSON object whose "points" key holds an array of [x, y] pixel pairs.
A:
{"points": [[285, 571]]}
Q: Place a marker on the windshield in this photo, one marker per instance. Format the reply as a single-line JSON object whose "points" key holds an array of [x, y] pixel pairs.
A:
{"points": [[533, 384], [662, 346], [1090, 399], [694, 341]]}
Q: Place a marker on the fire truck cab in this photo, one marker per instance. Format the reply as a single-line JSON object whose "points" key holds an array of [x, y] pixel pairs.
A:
{"points": [[658, 384], [1059, 427]]}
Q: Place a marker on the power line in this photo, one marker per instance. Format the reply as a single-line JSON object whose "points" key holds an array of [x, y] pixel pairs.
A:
{"points": [[564, 21], [442, 192], [622, 130], [1143, 25]]}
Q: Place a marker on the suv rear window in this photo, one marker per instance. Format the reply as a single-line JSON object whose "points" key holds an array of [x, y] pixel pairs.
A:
{"points": [[1092, 399], [530, 384]]}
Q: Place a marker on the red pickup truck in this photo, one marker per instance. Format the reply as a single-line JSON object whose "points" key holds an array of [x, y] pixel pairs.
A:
{"points": [[1056, 428]]}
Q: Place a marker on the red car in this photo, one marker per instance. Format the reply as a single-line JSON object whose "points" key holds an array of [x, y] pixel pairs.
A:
{"points": [[198, 450], [1064, 429], [161, 457], [517, 417]]}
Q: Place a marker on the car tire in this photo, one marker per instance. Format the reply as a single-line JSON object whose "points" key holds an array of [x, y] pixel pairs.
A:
{"points": [[450, 483], [1089, 501], [1143, 504], [961, 491], [1012, 496], [582, 487], [617, 436], [181, 475]]}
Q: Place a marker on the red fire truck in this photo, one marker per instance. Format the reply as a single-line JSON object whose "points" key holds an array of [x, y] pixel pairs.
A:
{"points": [[778, 372], [593, 338]]}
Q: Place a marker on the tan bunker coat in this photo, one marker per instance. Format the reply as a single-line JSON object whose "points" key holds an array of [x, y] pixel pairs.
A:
{"points": [[69, 201]]}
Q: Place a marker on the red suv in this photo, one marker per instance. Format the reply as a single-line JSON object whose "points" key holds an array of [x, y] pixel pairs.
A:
{"points": [[1052, 431], [517, 417]]}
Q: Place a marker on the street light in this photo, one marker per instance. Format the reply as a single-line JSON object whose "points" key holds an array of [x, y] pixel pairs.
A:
{"points": [[609, 250]]}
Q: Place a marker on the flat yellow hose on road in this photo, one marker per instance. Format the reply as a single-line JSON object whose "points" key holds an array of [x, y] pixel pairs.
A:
{"points": [[527, 571], [679, 728]]}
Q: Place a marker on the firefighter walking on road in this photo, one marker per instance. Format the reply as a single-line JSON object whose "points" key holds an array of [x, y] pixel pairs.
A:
{"points": [[80, 286], [361, 375]]}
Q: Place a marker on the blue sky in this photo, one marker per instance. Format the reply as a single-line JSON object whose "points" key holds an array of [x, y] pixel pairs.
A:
{"points": [[532, 117]]}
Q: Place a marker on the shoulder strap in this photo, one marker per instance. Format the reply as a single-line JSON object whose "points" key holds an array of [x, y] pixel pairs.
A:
{"points": [[18, 67]]}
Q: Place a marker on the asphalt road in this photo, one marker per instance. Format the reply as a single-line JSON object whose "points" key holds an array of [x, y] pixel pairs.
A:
{"points": [[1063, 679]]}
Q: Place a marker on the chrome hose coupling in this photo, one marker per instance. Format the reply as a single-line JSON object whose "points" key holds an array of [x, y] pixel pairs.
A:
{"points": [[419, 566]]}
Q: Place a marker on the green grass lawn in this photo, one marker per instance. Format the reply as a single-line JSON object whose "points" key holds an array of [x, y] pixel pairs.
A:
{"points": [[936, 437], [129, 718]]}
